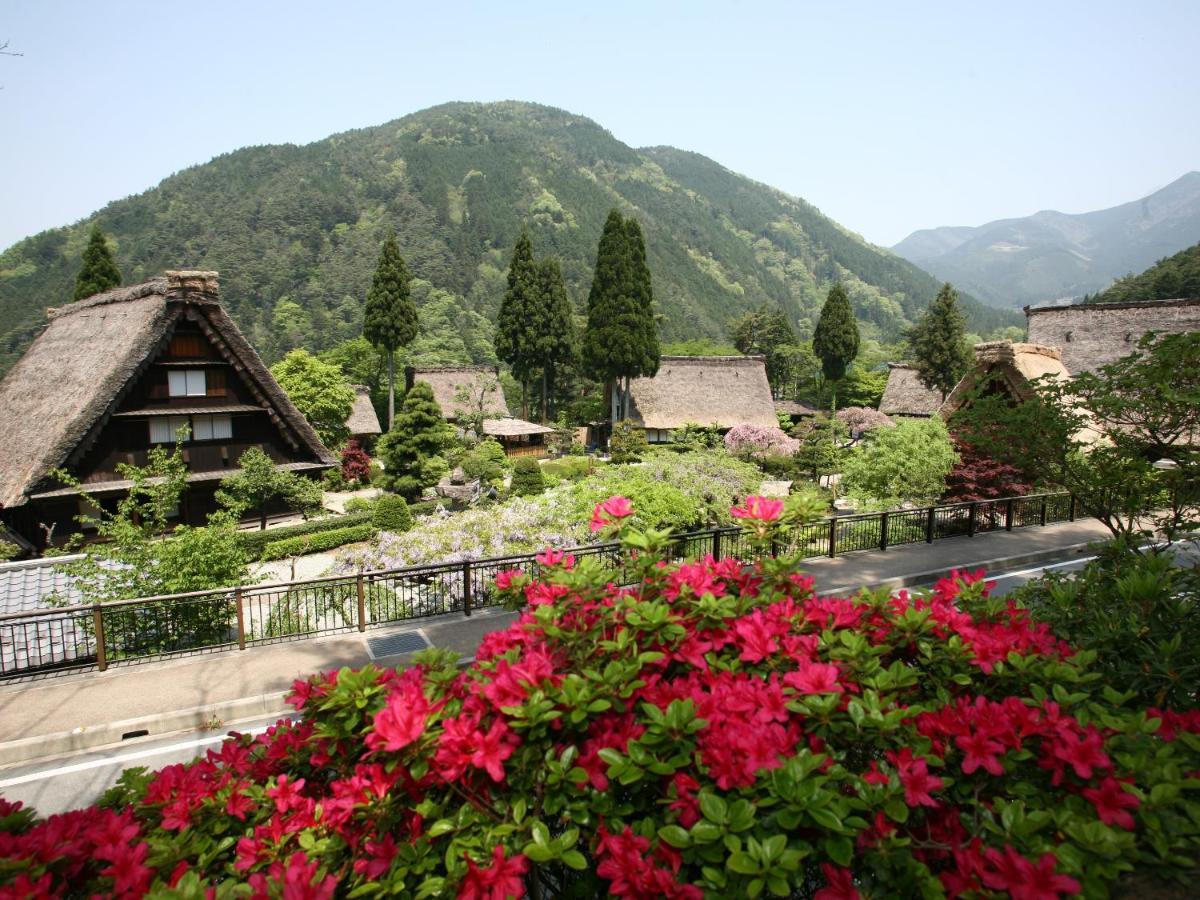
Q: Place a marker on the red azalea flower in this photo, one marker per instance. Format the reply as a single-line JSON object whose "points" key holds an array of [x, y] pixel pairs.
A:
{"points": [[761, 509], [1111, 801], [401, 721], [980, 752], [915, 777], [814, 678], [493, 748], [610, 512], [501, 880], [552, 557], [1012, 872], [505, 579], [839, 884]]}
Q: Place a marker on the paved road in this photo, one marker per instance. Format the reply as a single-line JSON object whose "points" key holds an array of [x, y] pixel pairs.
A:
{"points": [[53, 786]]}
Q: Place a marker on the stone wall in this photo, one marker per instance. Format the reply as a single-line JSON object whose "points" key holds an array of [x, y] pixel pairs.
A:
{"points": [[1092, 335]]}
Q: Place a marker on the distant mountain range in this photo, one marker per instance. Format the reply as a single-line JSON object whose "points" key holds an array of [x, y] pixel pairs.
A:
{"points": [[295, 232], [1053, 256]]}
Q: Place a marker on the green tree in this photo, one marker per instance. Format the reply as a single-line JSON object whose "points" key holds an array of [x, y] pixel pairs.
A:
{"points": [[527, 479], [835, 340], [520, 318], [390, 317], [938, 342], [412, 448], [99, 272], [320, 392], [621, 339], [905, 464], [259, 483], [767, 332], [1121, 439], [628, 442], [556, 345]]}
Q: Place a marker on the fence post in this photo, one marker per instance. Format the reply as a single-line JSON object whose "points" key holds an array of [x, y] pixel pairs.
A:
{"points": [[1071, 514], [466, 572], [716, 543], [98, 624], [832, 536], [1008, 514], [362, 603], [929, 525], [1043, 509], [241, 618], [971, 520], [883, 528]]}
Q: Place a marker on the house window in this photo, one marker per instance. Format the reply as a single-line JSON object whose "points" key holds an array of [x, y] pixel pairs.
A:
{"points": [[211, 428], [187, 345], [164, 429], [187, 383]]}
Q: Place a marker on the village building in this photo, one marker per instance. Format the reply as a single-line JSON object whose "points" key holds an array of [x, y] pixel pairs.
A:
{"points": [[465, 392], [363, 422], [906, 395], [793, 411], [116, 374], [1091, 335], [702, 390], [1005, 369]]}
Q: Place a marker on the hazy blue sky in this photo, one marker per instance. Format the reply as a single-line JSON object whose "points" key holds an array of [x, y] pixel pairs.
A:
{"points": [[888, 116]]}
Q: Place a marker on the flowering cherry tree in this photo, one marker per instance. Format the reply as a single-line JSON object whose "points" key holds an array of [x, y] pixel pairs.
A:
{"points": [[708, 728], [759, 441]]}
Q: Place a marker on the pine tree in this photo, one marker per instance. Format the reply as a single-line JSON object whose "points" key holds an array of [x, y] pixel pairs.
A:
{"points": [[390, 317], [621, 340], [419, 434], [941, 355], [835, 340], [99, 272], [555, 325], [520, 313]]}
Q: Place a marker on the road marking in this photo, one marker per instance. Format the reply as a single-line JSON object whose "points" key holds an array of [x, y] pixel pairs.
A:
{"points": [[113, 760], [1069, 562]]}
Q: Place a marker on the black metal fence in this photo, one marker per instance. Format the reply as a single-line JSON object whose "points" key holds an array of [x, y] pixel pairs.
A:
{"points": [[96, 635]]}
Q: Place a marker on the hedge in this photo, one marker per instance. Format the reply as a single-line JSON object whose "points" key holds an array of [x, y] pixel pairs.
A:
{"points": [[314, 543], [255, 542]]}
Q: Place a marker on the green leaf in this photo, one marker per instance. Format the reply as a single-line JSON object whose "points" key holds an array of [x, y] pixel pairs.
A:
{"points": [[575, 860], [840, 850], [742, 864], [675, 836]]}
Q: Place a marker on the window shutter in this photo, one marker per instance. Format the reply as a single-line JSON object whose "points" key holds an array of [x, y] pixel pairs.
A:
{"points": [[216, 382]]}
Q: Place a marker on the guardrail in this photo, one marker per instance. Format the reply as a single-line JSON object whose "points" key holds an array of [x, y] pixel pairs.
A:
{"points": [[96, 635]]}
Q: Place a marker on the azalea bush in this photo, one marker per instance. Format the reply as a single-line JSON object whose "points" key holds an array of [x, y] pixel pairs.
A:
{"points": [[712, 729]]}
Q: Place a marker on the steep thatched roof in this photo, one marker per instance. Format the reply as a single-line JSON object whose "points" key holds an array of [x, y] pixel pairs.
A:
{"points": [[448, 381], [793, 408], [363, 420], [725, 390], [905, 395], [512, 427], [59, 395], [1006, 367]]}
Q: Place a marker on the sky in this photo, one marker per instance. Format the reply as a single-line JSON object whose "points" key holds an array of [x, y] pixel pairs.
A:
{"points": [[888, 116]]}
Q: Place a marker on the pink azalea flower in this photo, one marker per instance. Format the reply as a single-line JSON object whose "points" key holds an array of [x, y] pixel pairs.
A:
{"points": [[762, 509]]}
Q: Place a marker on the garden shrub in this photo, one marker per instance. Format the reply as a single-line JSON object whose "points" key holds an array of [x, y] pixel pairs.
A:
{"points": [[356, 464], [485, 461], [254, 542], [715, 730], [759, 441], [527, 478], [905, 464], [359, 505], [627, 443], [317, 542], [570, 468], [392, 514]]}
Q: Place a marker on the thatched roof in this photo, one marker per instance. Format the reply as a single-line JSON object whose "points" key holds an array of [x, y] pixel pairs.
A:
{"points": [[363, 420], [906, 395], [59, 395], [792, 408], [449, 381], [510, 426], [706, 390], [1008, 367]]}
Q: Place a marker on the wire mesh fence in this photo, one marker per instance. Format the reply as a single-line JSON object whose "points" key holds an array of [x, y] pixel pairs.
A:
{"points": [[97, 635]]}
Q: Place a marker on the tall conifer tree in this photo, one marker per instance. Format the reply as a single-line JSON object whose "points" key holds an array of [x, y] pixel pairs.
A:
{"points": [[556, 342], [937, 341], [835, 339], [99, 271], [520, 315], [621, 340], [390, 318]]}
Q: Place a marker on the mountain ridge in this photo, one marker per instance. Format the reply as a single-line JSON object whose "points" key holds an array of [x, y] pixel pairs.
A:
{"points": [[1051, 255], [295, 230]]}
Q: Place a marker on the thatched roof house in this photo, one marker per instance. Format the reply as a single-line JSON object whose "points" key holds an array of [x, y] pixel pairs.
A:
{"points": [[1006, 368], [793, 410], [462, 388], [363, 421], [119, 372], [1091, 335], [705, 390], [906, 395]]}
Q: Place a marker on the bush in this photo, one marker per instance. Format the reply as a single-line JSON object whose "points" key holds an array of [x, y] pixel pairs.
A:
{"points": [[356, 464], [359, 504], [1139, 612], [254, 542], [627, 443], [317, 542], [485, 461], [527, 478], [570, 468], [905, 464], [392, 514], [721, 731]]}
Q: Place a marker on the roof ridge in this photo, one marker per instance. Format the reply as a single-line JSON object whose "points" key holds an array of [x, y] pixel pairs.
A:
{"points": [[116, 295]]}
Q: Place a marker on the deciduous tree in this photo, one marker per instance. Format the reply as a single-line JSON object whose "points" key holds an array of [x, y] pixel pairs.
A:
{"points": [[259, 483], [390, 317], [319, 391], [766, 331]]}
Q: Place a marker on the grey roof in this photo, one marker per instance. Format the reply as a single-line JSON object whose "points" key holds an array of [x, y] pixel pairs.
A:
{"points": [[24, 586], [906, 395], [510, 426], [362, 420], [449, 382]]}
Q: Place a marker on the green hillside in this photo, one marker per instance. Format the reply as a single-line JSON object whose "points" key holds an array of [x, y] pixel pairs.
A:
{"points": [[295, 232], [1168, 279]]}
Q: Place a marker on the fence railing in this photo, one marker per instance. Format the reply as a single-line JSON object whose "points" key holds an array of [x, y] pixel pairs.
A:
{"points": [[97, 635]]}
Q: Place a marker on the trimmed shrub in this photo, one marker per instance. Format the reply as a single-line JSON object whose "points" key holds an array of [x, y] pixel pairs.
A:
{"points": [[315, 543], [527, 478], [485, 461], [627, 443], [392, 514], [254, 542]]}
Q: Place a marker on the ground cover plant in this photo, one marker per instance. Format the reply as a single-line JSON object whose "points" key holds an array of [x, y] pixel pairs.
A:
{"points": [[712, 729]]}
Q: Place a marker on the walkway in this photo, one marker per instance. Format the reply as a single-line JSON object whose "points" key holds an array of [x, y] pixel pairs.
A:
{"points": [[69, 712]]}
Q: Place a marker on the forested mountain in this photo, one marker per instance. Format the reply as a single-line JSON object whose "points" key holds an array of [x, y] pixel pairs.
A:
{"points": [[295, 232], [1168, 279], [1049, 256]]}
